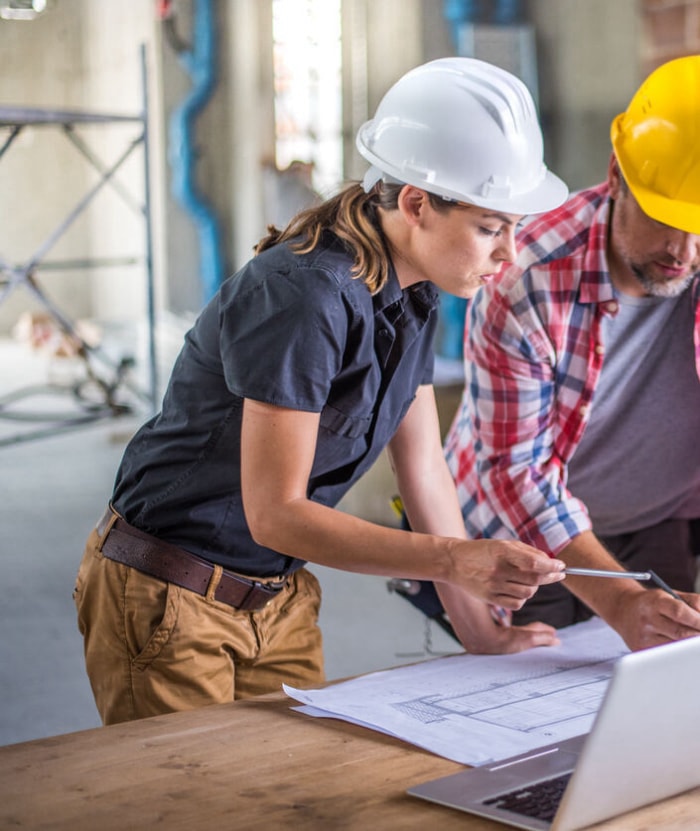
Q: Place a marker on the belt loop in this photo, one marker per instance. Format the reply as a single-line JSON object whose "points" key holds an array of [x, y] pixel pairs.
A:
{"points": [[105, 527], [214, 582]]}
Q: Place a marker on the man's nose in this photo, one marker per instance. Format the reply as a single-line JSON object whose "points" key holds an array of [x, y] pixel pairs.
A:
{"points": [[684, 247]]}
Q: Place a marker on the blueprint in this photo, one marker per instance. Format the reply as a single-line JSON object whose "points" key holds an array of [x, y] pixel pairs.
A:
{"points": [[476, 709]]}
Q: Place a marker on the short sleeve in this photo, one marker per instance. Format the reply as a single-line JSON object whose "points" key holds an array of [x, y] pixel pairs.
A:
{"points": [[428, 373], [283, 335]]}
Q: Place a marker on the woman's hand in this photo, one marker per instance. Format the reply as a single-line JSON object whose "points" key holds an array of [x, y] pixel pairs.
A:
{"points": [[482, 632], [502, 572], [505, 641]]}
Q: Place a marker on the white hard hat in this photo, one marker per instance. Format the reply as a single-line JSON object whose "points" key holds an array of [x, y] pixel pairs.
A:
{"points": [[465, 130]]}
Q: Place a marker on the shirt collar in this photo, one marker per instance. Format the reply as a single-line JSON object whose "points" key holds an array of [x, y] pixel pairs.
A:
{"points": [[596, 286], [391, 293]]}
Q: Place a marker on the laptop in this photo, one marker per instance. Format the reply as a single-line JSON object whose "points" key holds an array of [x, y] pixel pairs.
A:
{"points": [[643, 746]]}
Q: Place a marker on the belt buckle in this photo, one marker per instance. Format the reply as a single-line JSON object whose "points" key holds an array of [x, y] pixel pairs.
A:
{"points": [[268, 590], [275, 587], [248, 604]]}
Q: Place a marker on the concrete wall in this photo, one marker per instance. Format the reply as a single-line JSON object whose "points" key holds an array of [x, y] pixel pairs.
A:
{"points": [[589, 64]]}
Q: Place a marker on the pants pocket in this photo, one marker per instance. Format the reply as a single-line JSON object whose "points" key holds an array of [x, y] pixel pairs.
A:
{"points": [[304, 597], [151, 610]]}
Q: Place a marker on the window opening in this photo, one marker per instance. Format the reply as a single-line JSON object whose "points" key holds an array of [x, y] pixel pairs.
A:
{"points": [[307, 88]]}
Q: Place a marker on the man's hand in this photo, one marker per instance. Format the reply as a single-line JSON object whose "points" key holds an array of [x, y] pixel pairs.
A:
{"points": [[502, 572], [653, 617]]}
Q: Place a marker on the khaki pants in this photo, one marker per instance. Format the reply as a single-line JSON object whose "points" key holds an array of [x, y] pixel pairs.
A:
{"points": [[152, 647]]}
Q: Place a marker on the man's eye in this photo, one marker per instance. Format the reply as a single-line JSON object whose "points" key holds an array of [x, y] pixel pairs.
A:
{"points": [[489, 232]]}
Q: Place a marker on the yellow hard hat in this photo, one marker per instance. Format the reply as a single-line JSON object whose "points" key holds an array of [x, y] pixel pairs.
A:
{"points": [[657, 144]]}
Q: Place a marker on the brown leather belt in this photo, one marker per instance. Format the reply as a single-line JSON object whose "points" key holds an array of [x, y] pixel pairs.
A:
{"points": [[128, 545]]}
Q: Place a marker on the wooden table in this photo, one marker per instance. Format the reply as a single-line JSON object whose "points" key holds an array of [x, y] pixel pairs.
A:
{"points": [[249, 765]]}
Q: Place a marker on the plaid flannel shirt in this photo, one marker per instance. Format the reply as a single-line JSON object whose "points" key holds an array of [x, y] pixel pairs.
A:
{"points": [[533, 356]]}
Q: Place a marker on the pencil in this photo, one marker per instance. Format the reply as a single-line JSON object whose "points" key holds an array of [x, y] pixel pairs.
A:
{"points": [[662, 585]]}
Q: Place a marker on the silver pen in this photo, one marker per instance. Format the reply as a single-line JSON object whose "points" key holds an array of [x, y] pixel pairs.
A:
{"points": [[597, 572]]}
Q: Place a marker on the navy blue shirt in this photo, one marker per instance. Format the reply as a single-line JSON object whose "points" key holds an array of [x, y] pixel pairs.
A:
{"points": [[292, 330]]}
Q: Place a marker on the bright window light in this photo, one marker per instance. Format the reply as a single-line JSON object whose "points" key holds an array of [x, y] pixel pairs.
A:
{"points": [[307, 67], [22, 9]]}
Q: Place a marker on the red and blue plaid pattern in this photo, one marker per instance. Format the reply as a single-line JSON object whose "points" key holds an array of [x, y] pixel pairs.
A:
{"points": [[533, 356]]}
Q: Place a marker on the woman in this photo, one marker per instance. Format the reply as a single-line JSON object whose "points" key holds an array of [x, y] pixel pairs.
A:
{"points": [[308, 363]]}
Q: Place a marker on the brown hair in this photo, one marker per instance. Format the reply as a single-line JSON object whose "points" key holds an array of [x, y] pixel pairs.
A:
{"points": [[352, 216]]}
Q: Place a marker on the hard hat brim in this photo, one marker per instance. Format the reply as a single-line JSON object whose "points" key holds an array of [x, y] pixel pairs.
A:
{"points": [[549, 193], [683, 216]]}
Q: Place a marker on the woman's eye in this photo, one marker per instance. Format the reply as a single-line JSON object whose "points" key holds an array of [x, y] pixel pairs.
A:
{"points": [[489, 232]]}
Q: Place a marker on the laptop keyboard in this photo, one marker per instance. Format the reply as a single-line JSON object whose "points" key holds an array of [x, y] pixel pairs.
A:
{"points": [[540, 800]]}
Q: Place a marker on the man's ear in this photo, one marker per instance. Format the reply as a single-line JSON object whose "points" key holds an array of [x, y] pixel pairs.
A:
{"points": [[412, 203], [614, 177]]}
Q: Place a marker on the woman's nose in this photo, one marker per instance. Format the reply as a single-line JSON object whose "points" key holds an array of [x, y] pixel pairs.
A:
{"points": [[508, 249]]}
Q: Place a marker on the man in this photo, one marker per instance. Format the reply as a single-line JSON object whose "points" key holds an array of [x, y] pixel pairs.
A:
{"points": [[578, 428]]}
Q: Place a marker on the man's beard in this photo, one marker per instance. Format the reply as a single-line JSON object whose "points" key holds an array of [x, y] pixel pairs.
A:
{"points": [[662, 288]]}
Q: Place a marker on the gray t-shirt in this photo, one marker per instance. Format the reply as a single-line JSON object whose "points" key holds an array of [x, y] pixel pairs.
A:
{"points": [[638, 462]]}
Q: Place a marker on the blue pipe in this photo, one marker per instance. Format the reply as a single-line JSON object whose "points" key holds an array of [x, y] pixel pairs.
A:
{"points": [[459, 12], [200, 64], [507, 12]]}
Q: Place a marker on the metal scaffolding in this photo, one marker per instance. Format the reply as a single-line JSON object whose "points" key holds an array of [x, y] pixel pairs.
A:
{"points": [[106, 377]]}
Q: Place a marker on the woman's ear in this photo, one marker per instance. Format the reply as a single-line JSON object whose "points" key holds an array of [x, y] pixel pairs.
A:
{"points": [[412, 203]]}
